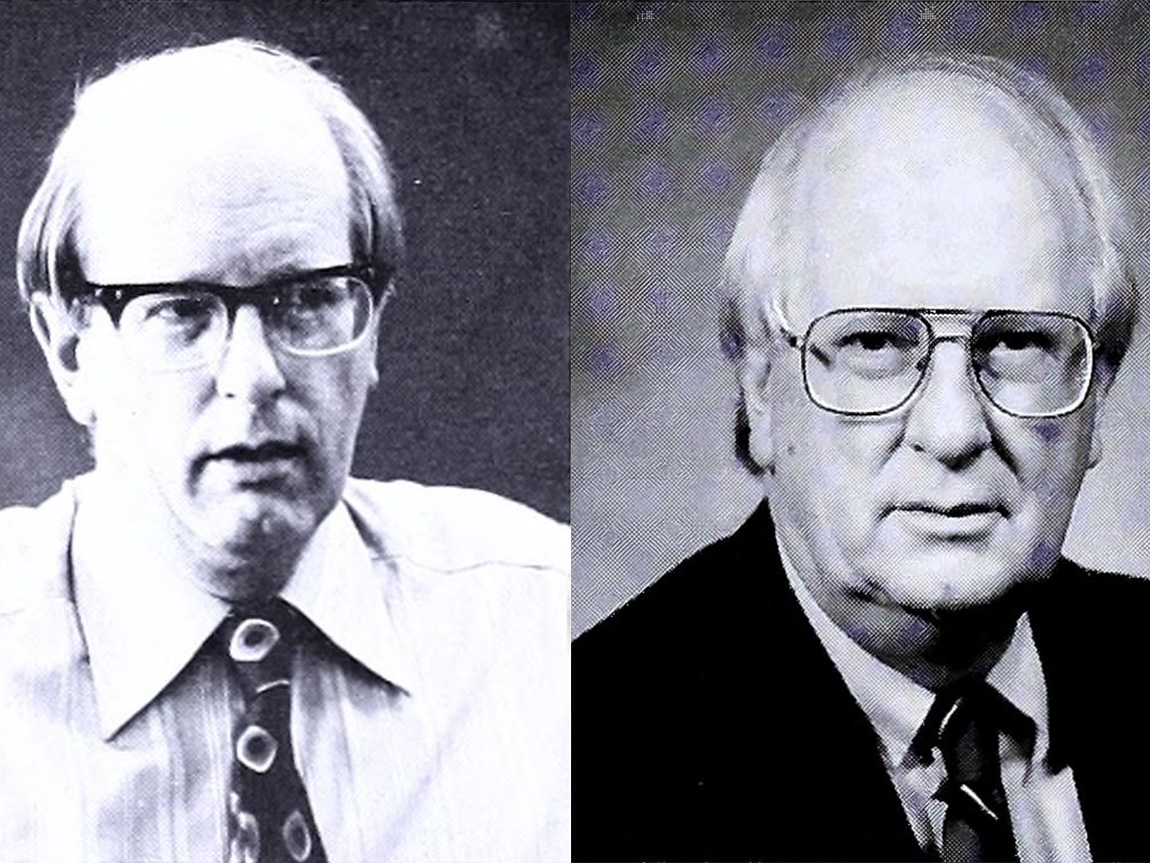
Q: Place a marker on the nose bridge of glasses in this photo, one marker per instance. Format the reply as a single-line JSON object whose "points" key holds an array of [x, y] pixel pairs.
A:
{"points": [[254, 323], [950, 324]]}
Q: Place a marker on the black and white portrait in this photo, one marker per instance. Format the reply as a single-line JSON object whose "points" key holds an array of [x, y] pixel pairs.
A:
{"points": [[284, 561], [857, 431]]}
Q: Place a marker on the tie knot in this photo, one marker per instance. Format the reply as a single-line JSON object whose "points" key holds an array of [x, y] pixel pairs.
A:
{"points": [[965, 720]]}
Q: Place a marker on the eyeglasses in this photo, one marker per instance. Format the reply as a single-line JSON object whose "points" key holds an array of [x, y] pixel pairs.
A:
{"points": [[183, 325], [870, 361]]}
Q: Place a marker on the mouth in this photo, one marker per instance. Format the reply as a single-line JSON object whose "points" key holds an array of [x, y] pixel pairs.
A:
{"points": [[951, 520], [960, 509], [269, 452]]}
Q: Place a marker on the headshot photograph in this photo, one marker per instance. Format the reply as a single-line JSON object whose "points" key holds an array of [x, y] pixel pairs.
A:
{"points": [[859, 529], [284, 435]]}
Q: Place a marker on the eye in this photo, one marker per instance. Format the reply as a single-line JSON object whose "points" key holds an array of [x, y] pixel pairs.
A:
{"points": [[178, 309], [312, 297], [1018, 341], [872, 341]]}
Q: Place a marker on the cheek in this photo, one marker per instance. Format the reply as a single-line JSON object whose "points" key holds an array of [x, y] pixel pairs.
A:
{"points": [[143, 418], [830, 466], [1051, 459], [336, 394]]}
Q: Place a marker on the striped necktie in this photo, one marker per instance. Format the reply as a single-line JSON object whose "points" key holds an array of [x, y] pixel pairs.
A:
{"points": [[270, 820], [964, 723]]}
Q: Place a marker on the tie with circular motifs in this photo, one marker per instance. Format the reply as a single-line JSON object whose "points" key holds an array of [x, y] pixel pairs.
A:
{"points": [[269, 816]]}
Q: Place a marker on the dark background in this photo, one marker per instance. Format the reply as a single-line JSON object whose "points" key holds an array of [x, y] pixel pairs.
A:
{"points": [[672, 108], [472, 102]]}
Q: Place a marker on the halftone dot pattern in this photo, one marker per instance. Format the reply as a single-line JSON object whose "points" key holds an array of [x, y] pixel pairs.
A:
{"points": [[673, 106]]}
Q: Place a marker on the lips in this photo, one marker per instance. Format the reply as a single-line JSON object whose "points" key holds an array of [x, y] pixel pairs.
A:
{"points": [[950, 520], [268, 451], [957, 509]]}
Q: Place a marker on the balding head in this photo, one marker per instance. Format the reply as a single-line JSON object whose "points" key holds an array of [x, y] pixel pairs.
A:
{"points": [[979, 125], [127, 125]]}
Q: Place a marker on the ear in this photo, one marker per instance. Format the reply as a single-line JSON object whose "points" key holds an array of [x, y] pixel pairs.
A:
{"points": [[754, 377], [59, 335], [1103, 378], [377, 315]]}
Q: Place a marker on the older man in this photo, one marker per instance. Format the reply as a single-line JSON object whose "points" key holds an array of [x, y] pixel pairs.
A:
{"points": [[216, 646], [889, 660]]}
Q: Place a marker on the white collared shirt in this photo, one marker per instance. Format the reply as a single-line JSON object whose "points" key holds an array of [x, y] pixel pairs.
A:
{"points": [[430, 723], [1044, 810]]}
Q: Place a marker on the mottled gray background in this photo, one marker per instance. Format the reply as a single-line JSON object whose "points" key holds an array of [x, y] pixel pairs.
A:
{"points": [[672, 107], [472, 102]]}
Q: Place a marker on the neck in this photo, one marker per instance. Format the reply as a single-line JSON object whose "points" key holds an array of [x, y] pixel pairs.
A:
{"points": [[937, 649], [932, 648]]}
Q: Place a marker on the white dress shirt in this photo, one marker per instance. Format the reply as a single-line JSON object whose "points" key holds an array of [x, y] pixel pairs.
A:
{"points": [[1044, 810], [429, 723]]}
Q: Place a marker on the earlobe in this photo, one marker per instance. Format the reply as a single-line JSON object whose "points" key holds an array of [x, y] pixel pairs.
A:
{"points": [[754, 377], [59, 338]]}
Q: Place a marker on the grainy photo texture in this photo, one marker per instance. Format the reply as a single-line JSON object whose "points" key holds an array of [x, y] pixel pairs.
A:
{"points": [[857, 430], [284, 573]]}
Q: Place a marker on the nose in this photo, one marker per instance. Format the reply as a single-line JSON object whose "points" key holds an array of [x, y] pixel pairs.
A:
{"points": [[948, 419], [248, 368]]}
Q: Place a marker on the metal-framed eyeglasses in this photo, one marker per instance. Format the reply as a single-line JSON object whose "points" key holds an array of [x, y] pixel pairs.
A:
{"points": [[865, 361], [184, 325]]}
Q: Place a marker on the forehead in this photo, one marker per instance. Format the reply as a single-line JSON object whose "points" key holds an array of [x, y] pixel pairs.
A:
{"points": [[217, 183], [926, 192]]}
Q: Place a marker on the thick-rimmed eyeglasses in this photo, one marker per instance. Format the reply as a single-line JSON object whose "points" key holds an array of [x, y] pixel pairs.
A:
{"points": [[869, 361], [184, 325]]}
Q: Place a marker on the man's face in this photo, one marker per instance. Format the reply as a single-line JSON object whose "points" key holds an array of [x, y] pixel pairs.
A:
{"points": [[942, 214], [248, 455]]}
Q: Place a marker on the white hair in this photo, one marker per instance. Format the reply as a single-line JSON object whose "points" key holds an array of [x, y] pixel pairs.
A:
{"points": [[755, 278], [755, 281], [106, 109]]}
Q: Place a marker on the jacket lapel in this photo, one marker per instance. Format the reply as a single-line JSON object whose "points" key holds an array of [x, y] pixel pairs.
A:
{"points": [[825, 790], [1092, 663]]}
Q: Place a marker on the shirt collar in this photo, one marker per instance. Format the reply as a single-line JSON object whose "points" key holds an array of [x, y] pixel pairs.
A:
{"points": [[895, 705], [336, 588], [144, 617]]}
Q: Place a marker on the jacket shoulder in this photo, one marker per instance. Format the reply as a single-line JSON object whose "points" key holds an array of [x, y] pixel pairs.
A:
{"points": [[1087, 593], [453, 529], [1108, 604], [684, 601]]}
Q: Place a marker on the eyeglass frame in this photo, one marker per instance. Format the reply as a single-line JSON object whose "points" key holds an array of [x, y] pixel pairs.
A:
{"points": [[800, 344], [114, 299]]}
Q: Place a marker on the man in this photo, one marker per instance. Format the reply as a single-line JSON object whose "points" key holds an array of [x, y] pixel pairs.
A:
{"points": [[889, 660], [216, 646]]}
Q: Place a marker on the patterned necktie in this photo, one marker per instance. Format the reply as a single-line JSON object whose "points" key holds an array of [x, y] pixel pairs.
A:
{"points": [[269, 816], [964, 723]]}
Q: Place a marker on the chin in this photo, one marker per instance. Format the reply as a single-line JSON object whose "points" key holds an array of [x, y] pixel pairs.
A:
{"points": [[250, 526], [962, 581]]}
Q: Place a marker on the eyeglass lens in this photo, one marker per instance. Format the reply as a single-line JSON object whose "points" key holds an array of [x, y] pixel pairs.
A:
{"points": [[871, 361], [312, 317]]}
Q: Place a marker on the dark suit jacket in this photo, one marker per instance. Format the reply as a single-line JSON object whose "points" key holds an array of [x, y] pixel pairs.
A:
{"points": [[710, 724]]}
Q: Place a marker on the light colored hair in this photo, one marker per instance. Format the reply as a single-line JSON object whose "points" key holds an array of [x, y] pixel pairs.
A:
{"points": [[756, 276], [46, 257]]}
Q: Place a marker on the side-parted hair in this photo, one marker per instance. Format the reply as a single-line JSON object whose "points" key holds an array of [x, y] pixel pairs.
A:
{"points": [[755, 280], [46, 256]]}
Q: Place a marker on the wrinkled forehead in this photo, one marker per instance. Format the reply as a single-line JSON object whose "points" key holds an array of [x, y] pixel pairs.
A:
{"points": [[933, 189]]}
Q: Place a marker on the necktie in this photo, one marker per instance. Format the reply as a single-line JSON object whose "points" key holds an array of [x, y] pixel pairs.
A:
{"points": [[964, 723], [270, 819]]}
